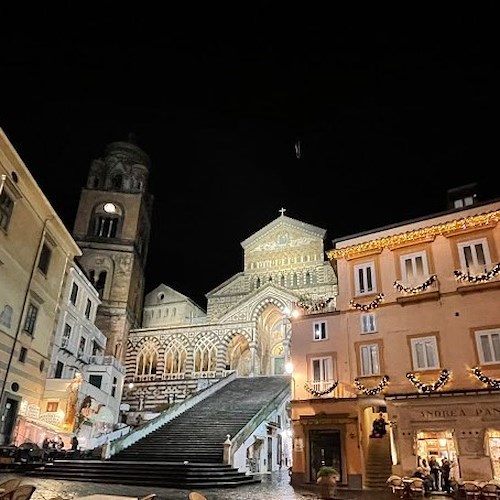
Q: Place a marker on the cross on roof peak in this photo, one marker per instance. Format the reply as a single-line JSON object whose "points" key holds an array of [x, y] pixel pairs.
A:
{"points": [[282, 211]]}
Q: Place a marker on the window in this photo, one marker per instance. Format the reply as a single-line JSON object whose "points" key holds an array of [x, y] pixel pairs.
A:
{"points": [[114, 386], [106, 222], [30, 320], [52, 406], [6, 207], [81, 347], [488, 346], [147, 360], [59, 370], [364, 278], [88, 308], [368, 324], [321, 373], [424, 353], [44, 260], [414, 269], [319, 330], [369, 356], [22, 354], [66, 335], [74, 293], [474, 256], [95, 380]]}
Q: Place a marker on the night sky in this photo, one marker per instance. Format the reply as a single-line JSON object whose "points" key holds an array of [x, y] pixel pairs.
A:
{"points": [[392, 109]]}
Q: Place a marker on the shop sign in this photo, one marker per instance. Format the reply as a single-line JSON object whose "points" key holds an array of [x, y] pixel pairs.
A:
{"points": [[465, 411]]}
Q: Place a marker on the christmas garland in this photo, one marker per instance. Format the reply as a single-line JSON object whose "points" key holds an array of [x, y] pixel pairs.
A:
{"points": [[495, 383], [366, 307], [374, 390], [416, 289], [310, 305], [425, 388], [314, 392], [478, 278]]}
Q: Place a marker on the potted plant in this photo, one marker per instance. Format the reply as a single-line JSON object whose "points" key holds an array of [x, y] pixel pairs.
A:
{"points": [[326, 478]]}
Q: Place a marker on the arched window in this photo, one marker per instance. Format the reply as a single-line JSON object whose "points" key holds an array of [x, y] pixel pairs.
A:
{"points": [[295, 279], [107, 221], [308, 278], [175, 358], [98, 279], [282, 280], [205, 356], [147, 360], [117, 182]]}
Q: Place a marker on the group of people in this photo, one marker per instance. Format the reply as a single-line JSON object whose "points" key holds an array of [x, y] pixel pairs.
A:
{"points": [[436, 476]]}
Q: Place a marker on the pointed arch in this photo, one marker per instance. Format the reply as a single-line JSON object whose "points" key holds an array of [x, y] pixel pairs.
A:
{"points": [[175, 360], [205, 357], [147, 361]]}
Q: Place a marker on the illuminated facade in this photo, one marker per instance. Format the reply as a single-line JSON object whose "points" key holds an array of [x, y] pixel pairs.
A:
{"points": [[416, 335], [35, 253], [246, 328]]}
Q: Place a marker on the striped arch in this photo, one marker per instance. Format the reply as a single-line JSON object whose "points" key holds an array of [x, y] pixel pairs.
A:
{"points": [[264, 303], [234, 353]]}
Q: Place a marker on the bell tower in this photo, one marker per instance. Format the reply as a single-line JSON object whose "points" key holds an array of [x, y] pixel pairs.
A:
{"points": [[112, 227]]}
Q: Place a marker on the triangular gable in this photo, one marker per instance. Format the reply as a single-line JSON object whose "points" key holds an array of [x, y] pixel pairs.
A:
{"points": [[286, 223], [170, 296]]}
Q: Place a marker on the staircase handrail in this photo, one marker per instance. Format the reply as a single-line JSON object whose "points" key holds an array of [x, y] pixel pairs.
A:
{"points": [[245, 432], [113, 447]]}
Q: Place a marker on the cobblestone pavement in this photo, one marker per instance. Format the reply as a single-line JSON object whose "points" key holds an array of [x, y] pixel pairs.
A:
{"points": [[274, 486]]}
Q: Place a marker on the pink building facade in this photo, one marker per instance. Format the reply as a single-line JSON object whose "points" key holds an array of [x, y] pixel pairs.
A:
{"points": [[416, 336]]}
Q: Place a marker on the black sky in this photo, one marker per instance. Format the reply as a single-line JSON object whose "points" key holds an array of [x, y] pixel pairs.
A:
{"points": [[392, 109]]}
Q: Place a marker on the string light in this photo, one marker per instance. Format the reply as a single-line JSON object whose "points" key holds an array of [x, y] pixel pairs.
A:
{"points": [[366, 307], [416, 235], [425, 388], [478, 278], [416, 289], [374, 390], [314, 392], [495, 383], [310, 305]]}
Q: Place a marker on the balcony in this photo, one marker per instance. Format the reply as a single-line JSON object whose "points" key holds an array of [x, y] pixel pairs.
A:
{"points": [[107, 361], [417, 290]]}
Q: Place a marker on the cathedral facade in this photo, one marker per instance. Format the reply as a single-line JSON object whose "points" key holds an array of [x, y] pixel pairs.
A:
{"points": [[246, 328]]}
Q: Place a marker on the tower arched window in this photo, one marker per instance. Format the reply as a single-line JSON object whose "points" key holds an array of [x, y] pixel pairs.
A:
{"points": [[117, 182], [282, 280], [295, 279], [205, 356], [107, 221], [98, 279], [147, 359], [308, 278]]}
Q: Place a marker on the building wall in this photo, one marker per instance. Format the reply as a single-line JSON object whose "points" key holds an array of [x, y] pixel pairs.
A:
{"points": [[33, 224], [440, 407]]}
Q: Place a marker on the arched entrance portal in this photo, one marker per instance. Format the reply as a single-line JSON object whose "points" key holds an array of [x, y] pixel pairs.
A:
{"points": [[272, 342]]}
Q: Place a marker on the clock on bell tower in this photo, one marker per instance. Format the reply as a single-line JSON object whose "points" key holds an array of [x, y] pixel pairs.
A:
{"points": [[112, 227]]}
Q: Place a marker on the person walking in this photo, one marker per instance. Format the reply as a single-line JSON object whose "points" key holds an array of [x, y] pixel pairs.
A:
{"points": [[445, 475], [435, 470]]}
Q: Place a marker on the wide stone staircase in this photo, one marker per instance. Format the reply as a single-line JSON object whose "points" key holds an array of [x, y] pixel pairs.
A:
{"points": [[188, 450], [378, 464]]}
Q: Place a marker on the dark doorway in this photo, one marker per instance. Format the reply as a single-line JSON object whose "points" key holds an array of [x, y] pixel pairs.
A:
{"points": [[325, 450], [10, 419]]}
